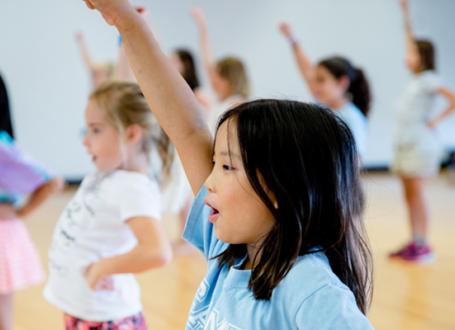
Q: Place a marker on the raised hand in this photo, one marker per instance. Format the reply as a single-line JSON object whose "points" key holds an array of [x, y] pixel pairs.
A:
{"points": [[114, 12], [286, 30], [198, 16], [79, 37], [404, 4]]}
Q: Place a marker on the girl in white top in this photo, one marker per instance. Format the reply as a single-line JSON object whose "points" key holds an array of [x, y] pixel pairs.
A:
{"points": [[111, 228], [417, 150], [228, 76], [338, 84]]}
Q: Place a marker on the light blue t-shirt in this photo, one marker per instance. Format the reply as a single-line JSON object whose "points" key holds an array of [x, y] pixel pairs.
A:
{"points": [[357, 123], [310, 296]]}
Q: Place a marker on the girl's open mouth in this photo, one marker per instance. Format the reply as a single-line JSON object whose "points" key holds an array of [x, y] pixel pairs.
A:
{"points": [[214, 213]]}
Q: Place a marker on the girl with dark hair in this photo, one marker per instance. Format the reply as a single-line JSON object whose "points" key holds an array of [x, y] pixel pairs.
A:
{"points": [[417, 149], [278, 206], [338, 84]]}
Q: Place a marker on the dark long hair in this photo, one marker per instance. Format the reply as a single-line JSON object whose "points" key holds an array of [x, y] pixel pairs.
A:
{"points": [[5, 115], [307, 158], [358, 88], [189, 67], [426, 51]]}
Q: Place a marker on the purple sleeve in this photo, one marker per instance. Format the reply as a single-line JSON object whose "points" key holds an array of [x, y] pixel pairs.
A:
{"points": [[19, 173]]}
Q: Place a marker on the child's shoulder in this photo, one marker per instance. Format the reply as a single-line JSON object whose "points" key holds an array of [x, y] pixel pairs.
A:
{"points": [[309, 275], [311, 288], [428, 77], [130, 179], [120, 181]]}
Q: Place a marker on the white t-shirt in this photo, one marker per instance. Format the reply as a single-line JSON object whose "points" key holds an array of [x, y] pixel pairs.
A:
{"points": [[357, 123], [219, 108], [92, 227], [415, 106]]}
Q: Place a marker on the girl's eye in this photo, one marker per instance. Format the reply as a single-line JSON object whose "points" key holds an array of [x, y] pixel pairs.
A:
{"points": [[228, 167], [95, 130]]}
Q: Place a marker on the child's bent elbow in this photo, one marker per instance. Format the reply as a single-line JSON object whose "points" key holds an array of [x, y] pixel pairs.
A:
{"points": [[56, 184], [165, 256], [160, 259]]}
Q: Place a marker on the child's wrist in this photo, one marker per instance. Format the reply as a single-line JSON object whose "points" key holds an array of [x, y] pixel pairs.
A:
{"points": [[128, 22], [293, 41], [21, 212], [102, 268]]}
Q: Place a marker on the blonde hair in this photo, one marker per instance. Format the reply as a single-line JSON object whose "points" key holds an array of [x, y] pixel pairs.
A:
{"points": [[234, 72], [125, 105]]}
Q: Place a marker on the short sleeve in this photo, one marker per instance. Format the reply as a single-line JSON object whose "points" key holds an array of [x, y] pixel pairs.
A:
{"points": [[431, 82], [331, 307], [139, 196], [199, 231], [20, 173]]}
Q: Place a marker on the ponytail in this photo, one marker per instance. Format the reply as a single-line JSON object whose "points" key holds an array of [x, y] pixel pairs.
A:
{"points": [[358, 89], [166, 153]]}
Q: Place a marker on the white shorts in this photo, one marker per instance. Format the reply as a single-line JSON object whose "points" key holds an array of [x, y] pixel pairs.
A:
{"points": [[416, 161]]}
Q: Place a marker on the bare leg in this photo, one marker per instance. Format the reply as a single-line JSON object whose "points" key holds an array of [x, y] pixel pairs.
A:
{"points": [[418, 212], [6, 311]]}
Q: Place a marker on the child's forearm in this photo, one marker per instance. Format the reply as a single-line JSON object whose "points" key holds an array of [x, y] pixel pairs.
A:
{"points": [[86, 58], [442, 116], [304, 64], [410, 41], [122, 69], [207, 57], [204, 43], [138, 260], [450, 96], [39, 196]]}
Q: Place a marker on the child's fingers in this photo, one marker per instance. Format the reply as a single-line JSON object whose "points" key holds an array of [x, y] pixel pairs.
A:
{"points": [[197, 14], [105, 284], [285, 29], [89, 4]]}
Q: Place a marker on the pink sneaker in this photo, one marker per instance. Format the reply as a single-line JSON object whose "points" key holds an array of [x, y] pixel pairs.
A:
{"points": [[414, 253]]}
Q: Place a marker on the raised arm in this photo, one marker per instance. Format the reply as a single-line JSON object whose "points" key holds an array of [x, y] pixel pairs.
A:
{"points": [[304, 64], [411, 47], [206, 51], [122, 69], [168, 95], [85, 54], [450, 96]]}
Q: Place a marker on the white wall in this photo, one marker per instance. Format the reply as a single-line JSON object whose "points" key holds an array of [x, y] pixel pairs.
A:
{"points": [[48, 85]]}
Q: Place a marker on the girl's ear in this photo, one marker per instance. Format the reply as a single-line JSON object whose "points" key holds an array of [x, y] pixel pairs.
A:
{"points": [[344, 82], [268, 191], [133, 134]]}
